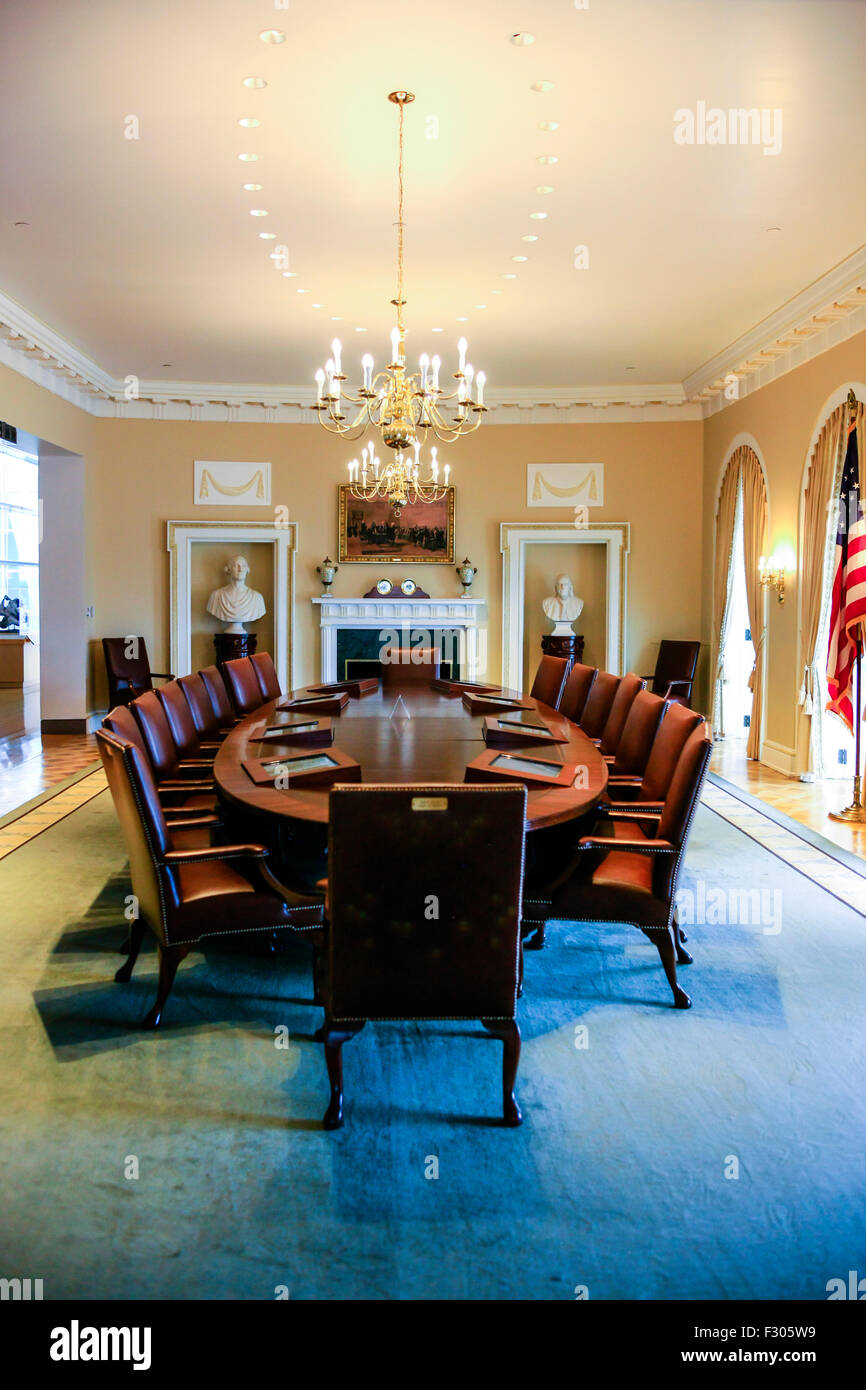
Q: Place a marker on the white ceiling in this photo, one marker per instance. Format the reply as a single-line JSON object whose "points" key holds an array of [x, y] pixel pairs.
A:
{"points": [[143, 252]]}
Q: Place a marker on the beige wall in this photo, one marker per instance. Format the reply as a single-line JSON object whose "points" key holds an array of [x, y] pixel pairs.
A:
{"points": [[586, 566], [140, 474], [781, 419]]}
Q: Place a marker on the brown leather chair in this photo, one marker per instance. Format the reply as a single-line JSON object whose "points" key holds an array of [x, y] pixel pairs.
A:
{"points": [[212, 680], [674, 676], [243, 685], [127, 666], [423, 916], [182, 725], [633, 792], [580, 682], [630, 873], [550, 680], [180, 793], [164, 754], [402, 665], [267, 675], [187, 894], [598, 703], [640, 728], [204, 719], [629, 687]]}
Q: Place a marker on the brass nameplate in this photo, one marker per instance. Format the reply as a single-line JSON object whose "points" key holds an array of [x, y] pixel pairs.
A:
{"points": [[429, 803]]}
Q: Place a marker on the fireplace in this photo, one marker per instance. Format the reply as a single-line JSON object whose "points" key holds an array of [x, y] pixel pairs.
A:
{"points": [[353, 632]]}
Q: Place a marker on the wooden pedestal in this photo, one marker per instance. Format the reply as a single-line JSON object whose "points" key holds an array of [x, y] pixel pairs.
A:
{"points": [[232, 645], [570, 647]]}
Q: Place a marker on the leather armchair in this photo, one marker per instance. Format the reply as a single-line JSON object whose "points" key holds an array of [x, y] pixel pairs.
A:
{"points": [[205, 720], [674, 675], [639, 731], [243, 685], [128, 676], [402, 665], [629, 791], [266, 675], [598, 703], [424, 889], [212, 680], [629, 872], [574, 696], [181, 725], [629, 687], [550, 679], [185, 895], [179, 793]]}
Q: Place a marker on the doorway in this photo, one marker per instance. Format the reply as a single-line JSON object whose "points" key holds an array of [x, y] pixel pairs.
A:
{"points": [[738, 653]]}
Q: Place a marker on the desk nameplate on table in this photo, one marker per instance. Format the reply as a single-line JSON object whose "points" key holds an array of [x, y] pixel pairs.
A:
{"points": [[494, 704], [314, 731], [303, 769], [358, 689], [323, 704], [493, 766], [500, 730]]}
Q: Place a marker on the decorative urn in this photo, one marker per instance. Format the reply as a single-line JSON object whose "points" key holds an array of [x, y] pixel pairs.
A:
{"points": [[466, 573], [326, 572]]}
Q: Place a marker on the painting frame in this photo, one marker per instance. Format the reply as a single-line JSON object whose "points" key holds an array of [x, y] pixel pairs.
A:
{"points": [[373, 556]]}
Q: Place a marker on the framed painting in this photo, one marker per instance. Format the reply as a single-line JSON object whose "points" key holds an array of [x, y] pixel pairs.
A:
{"points": [[369, 534]]}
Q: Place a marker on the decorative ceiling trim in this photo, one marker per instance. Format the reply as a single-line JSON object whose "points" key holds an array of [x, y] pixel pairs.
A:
{"points": [[824, 314]]}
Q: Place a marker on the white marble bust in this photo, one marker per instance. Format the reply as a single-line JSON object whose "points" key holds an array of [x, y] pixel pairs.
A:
{"points": [[235, 604], [563, 607]]}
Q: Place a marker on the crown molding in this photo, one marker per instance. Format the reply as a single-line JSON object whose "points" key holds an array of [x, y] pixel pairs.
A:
{"points": [[824, 314]]}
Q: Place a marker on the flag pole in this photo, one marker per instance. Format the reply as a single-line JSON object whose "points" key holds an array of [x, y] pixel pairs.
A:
{"points": [[856, 811]]}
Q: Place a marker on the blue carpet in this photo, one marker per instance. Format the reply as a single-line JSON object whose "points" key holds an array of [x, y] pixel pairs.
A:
{"points": [[616, 1180]]}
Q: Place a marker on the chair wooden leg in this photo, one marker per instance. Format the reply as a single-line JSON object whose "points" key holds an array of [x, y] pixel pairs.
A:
{"points": [[508, 1031], [683, 956], [170, 958], [333, 1038], [133, 946], [664, 942], [520, 973], [536, 942], [317, 974]]}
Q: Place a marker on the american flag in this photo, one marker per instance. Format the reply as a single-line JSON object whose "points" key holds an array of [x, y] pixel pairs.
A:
{"points": [[848, 610]]}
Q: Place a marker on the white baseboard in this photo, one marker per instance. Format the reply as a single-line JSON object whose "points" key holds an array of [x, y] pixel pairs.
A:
{"points": [[779, 757]]}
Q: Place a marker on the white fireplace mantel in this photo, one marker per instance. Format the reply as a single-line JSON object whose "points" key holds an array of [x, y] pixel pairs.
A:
{"points": [[407, 616]]}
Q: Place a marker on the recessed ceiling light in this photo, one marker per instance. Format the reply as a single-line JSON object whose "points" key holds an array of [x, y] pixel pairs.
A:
{"points": [[544, 188], [272, 36], [497, 291], [522, 40], [548, 125], [267, 236], [437, 330], [462, 318], [542, 86], [529, 237], [302, 291], [248, 158], [290, 275], [249, 122], [255, 83], [336, 318], [538, 216], [166, 364], [252, 188], [360, 330], [317, 306], [774, 229], [547, 158], [511, 275], [519, 258], [258, 212], [21, 224], [629, 369], [481, 306]]}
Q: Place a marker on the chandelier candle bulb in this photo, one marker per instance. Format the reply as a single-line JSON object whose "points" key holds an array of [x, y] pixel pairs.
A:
{"points": [[436, 364], [320, 381], [337, 349], [461, 348], [367, 364], [480, 381], [424, 364]]}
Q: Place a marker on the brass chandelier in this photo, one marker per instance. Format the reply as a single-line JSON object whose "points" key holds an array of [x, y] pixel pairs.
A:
{"points": [[400, 404], [399, 482]]}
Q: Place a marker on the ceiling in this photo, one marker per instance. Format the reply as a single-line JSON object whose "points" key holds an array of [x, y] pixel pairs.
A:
{"points": [[143, 252]]}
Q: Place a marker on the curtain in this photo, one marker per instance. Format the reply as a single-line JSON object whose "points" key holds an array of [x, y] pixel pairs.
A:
{"points": [[819, 516], [722, 578], [754, 546]]}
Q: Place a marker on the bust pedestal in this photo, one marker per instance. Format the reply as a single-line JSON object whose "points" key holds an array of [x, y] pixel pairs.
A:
{"points": [[232, 645], [571, 646]]}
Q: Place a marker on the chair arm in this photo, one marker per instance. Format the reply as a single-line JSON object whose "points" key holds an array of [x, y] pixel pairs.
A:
{"points": [[175, 784], [624, 779], [162, 675], [196, 764], [642, 846], [195, 822], [686, 681], [201, 856], [632, 810]]}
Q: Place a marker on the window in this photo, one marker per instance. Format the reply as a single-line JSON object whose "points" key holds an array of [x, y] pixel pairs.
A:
{"points": [[19, 542]]}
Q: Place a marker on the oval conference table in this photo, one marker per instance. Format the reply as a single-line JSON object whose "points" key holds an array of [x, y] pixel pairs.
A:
{"points": [[430, 737]]}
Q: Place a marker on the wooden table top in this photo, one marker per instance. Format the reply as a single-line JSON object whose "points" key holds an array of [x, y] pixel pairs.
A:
{"points": [[433, 745]]}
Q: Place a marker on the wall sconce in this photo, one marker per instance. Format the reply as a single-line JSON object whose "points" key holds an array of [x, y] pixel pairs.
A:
{"points": [[771, 571]]}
